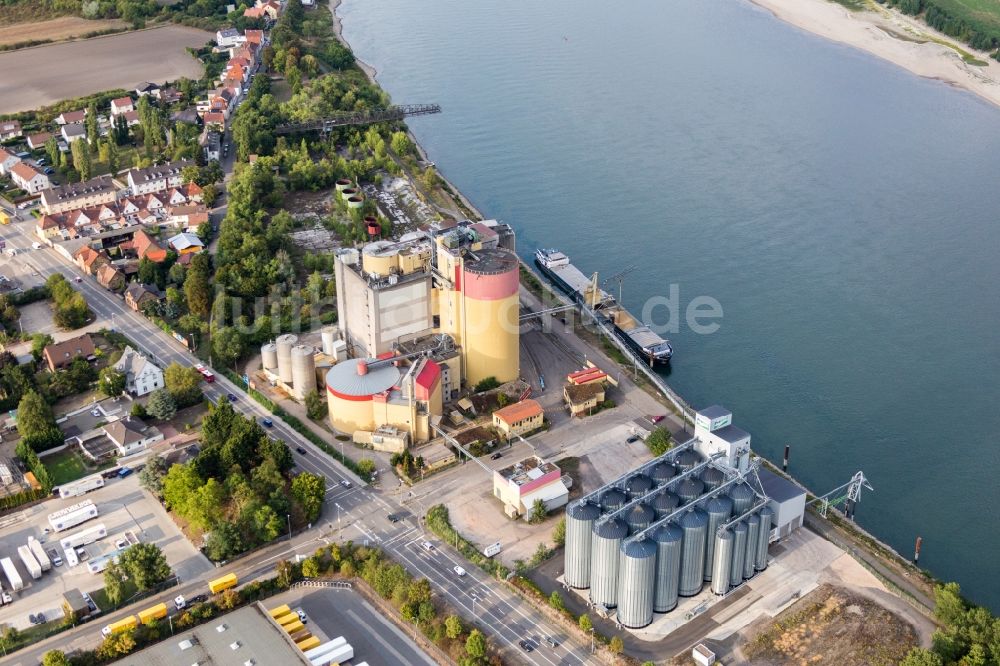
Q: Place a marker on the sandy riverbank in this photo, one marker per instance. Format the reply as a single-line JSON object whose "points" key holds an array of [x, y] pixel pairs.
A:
{"points": [[892, 36]]}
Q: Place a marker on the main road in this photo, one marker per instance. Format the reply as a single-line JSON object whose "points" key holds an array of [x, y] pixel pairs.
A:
{"points": [[357, 512]]}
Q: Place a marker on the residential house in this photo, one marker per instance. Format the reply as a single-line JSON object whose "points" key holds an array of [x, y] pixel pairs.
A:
{"points": [[188, 217], [89, 259], [7, 161], [71, 117], [188, 115], [131, 118], [582, 398], [61, 354], [138, 295], [29, 179], [211, 144], [145, 247], [10, 129], [157, 178], [73, 132], [255, 37], [131, 435], [109, 277], [37, 141], [186, 243], [228, 38], [519, 418], [142, 376], [121, 105], [170, 96], [148, 88], [528, 481], [93, 192], [215, 119]]}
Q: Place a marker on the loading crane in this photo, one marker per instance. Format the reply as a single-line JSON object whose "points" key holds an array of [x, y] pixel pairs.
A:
{"points": [[848, 495], [619, 278], [365, 117]]}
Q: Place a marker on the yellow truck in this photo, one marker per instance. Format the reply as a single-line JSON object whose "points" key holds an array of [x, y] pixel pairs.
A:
{"points": [[224, 583], [287, 618], [279, 611], [157, 612], [308, 643], [292, 627], [124, 624], [4, 217]]}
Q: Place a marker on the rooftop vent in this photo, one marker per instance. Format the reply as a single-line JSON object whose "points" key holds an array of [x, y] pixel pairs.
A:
{"points": [[235, 645], [221, 628]]}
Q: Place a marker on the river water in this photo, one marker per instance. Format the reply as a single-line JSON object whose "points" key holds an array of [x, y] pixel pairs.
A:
{"points": [[842, 211]]}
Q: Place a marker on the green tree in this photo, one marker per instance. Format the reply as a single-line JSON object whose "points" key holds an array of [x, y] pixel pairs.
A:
{"points": [[116, 645], [36, 423], [616, 645], [453, 626], [401, 144], [145, 565], [949, 607], [197, 288], [366, 467], [921, 657], [114, 583], [309, 490], [585, 624], [52, 151], [39, 341], [538, 512], [227, 345], [55, 658], [286, 574], [559, 533], [267, 524], [487, 384], [90, 123], [114, 159], [556, 601], [111, 382], [184, 384], [659, 441], [316, 406], [161, 405], [310, 567], [475, 644], [223, 542], [81, 158], [151, 476]]}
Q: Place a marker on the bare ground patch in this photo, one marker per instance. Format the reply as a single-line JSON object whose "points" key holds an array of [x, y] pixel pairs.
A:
{"points": [[64, 27], [831, 625]]}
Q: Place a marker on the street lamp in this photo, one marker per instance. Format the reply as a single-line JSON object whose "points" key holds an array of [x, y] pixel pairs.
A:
{"points": [[288, 516], [474, 600]]}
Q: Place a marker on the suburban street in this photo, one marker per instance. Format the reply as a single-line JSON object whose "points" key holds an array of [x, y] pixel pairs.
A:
{"points": [[357, 513]]}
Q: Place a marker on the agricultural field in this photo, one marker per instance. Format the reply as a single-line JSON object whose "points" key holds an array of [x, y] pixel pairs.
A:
{"points": [[40, 76], [57, 29]]}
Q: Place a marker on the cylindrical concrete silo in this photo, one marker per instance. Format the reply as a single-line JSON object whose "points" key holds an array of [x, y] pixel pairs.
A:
{"points": [[686, 460], [662, 472], [689, 490], [742, 498], [491, 328], [637, 573], [722, 561], [739, 552], [284, 344], [668, 539], [753, 540], [764, 537], [607, 541], [303, 371], [580, 519], [343, 183], [637, 486], [712, 478], [638, 518], [269, 356], [612, 500], [351, 387], [719, 510], [664, 502], [694, 523], [328, 334]]}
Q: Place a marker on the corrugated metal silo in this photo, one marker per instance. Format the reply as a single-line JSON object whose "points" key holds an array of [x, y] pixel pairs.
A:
{"points": [[635, 583], [694, 523], [722, 561], [766, 520], [579, 535], [664, 502], [713, 478], [662, 472], [612, 500], [607, 541], [753, 540], [742, 498], [639, 517], [686, 460], [689, 490], [638, 486], [739, 552], [668, 539], [719, 510], [269, 356]]}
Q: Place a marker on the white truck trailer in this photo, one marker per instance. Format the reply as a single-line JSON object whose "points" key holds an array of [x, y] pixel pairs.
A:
{"points": [[336, 656], [318, 655], [71, 516], [39, 553], [10, 571], [82, 538], [81, 486], [30, 563]]}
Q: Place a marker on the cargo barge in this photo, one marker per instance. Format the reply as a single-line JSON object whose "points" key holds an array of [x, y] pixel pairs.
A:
{"points": [[646, 344]]}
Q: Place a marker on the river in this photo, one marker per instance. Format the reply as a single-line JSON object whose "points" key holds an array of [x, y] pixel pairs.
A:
{"points": [[842, 211]]}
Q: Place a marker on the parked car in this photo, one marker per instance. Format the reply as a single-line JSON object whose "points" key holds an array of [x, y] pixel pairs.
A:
{"points": [[124, 471], [302, 616], [657, 418], [32, 619], [633, 439], [49, 171], [121, 544], [36, 245], [40, 617]]}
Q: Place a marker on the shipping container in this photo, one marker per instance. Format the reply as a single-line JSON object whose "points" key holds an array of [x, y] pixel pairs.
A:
{"points": [[157, 612], [292, 627], [224, 583], [39, 553], [30, 563], [124, 624], [287, 618], [10, 571], [82, 538], [279, 611], [81, 486], [308, 643], [72, 516]]}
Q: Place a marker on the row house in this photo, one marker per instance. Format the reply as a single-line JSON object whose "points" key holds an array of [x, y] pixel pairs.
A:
{"points": [[90, 260], [7, 161], [29, 179], [157, 178], [144, 247], [93, 192], [189, 217], [111, 277], [10, 129]]}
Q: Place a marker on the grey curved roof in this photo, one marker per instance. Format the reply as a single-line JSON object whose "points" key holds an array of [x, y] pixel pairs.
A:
{"points": [[344, 378]]}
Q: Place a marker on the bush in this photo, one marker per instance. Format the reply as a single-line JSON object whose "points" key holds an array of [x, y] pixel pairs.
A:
{"points": [[659, 441], [487, 384]]}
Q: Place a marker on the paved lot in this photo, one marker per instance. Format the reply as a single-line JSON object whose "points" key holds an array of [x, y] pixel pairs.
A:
{"points": [[123, 508], [40, 76], [333, 613]]}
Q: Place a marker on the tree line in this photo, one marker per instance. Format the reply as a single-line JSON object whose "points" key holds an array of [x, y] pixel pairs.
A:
{"points": [[980, 30]]}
